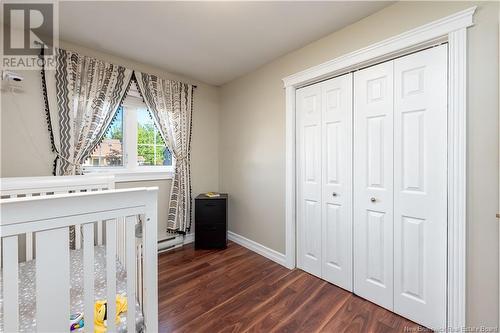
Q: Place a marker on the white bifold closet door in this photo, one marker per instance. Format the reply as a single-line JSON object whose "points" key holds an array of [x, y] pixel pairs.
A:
{"points": [[400, 185], [420, 186], [324, 169], [309, 183], [373, 183]]}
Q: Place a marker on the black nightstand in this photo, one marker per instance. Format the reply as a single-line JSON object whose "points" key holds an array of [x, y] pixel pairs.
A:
{"points": [[210, 229]]}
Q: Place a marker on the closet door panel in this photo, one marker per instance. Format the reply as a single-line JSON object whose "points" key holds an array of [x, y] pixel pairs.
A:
{"points": [[373, 184], [420, 186], [309, 179], [337, 180]]}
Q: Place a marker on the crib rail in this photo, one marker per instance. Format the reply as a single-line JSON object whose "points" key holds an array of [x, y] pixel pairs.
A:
{"points": [[39, 186], [19, 187], [50, 218]]}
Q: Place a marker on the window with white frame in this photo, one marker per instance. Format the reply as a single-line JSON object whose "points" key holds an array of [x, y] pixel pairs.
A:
{"points": [[132, 142]]}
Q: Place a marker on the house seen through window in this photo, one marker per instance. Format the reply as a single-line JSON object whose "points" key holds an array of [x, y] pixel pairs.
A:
{"points": [[110, 151], [131, 142]]}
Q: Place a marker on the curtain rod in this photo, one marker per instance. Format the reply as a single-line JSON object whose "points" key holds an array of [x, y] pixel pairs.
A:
{"points": [[42, 45]]}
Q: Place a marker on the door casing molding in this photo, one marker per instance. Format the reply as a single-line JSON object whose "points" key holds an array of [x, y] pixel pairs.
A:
{"points": [[453, 30]]}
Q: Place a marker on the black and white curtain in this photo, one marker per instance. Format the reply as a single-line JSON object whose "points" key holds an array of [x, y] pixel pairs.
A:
{"points": [[171, 104], [81, 99], [84, 96]]}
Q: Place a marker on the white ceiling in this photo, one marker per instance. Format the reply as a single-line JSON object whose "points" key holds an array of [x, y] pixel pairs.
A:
{"points": [[214, 42]]}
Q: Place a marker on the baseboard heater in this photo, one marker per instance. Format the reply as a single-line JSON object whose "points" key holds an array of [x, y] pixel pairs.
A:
{"points": [[170, 243]]}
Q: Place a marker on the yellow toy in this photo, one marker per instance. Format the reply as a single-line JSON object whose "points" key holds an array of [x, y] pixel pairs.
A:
{"points": [[100, 313]]}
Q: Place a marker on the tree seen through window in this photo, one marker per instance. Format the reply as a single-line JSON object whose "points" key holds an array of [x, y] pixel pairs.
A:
{"points": [[151, 149]]}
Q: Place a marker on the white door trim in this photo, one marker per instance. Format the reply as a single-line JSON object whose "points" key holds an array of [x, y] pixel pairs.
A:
{"points": [[451, 29]]}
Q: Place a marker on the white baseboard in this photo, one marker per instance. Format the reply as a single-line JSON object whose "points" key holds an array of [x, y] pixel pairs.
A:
{"points": [[188, 238], [243, 241], [175, 243], [258, 248]]}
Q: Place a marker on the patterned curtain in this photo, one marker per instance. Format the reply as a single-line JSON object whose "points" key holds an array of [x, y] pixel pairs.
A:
{"points": [[87, 94], [171, 104], [81, 98]]}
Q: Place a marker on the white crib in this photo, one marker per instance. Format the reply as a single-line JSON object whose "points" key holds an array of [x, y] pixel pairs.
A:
{"points": [[41, 210]]}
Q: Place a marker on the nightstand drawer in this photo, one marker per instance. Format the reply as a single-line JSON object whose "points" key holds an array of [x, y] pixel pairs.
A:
{"points": [[210, 211], [210, 235]]}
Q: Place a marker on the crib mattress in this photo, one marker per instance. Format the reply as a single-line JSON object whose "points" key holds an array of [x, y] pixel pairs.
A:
{"points": [[27, 290]]}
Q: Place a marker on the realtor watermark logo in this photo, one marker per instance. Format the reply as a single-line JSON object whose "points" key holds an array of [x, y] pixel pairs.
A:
{"points": [[28, 27]]}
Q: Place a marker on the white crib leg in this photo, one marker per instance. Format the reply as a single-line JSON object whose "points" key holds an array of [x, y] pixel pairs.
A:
{"points": [[111, 273], [131, 274], [150, 265], [88, 278], [10, 286]]}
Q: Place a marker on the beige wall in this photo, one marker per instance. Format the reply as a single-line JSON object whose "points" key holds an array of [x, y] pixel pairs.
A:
{"points": [[163, 196], [25, 145], [240, 150], [252, 140]]}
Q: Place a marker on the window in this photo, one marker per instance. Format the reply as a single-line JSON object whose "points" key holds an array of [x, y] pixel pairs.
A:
{"points": [[110, 151], [132, 143]]}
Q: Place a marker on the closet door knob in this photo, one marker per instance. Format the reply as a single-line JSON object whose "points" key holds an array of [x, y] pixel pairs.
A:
{"points": [[372, 199], [334, 194]]}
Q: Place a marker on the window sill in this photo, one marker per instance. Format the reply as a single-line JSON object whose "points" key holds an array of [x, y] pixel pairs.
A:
{"points": [[124, 175]]}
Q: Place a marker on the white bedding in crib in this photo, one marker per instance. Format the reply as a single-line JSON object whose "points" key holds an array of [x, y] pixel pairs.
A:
{"points": [[27, 290]]}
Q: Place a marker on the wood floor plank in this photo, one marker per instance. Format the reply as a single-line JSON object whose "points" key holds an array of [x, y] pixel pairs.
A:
{"points": [[312, 315], [186, 262], [197, 274], [215, 292], [229, 313], [237, 290], [285, 306], [359, 315]]}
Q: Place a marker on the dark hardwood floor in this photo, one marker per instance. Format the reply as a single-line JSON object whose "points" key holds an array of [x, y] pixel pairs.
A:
{"points": [[237, 290]]}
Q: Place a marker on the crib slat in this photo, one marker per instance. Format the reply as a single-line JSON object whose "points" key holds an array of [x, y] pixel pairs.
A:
{"points": [[124, 245], [10, 286], [111, 273], [120, 234], [138, 248], [29, 246], [131, 273], [99, 233], [88, 277], [78, 237], [52, 280], [118, 239], [29, 241]]}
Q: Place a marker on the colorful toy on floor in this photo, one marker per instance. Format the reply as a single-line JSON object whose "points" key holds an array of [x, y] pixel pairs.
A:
{"points": [[100, 313], [76, 321]]}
